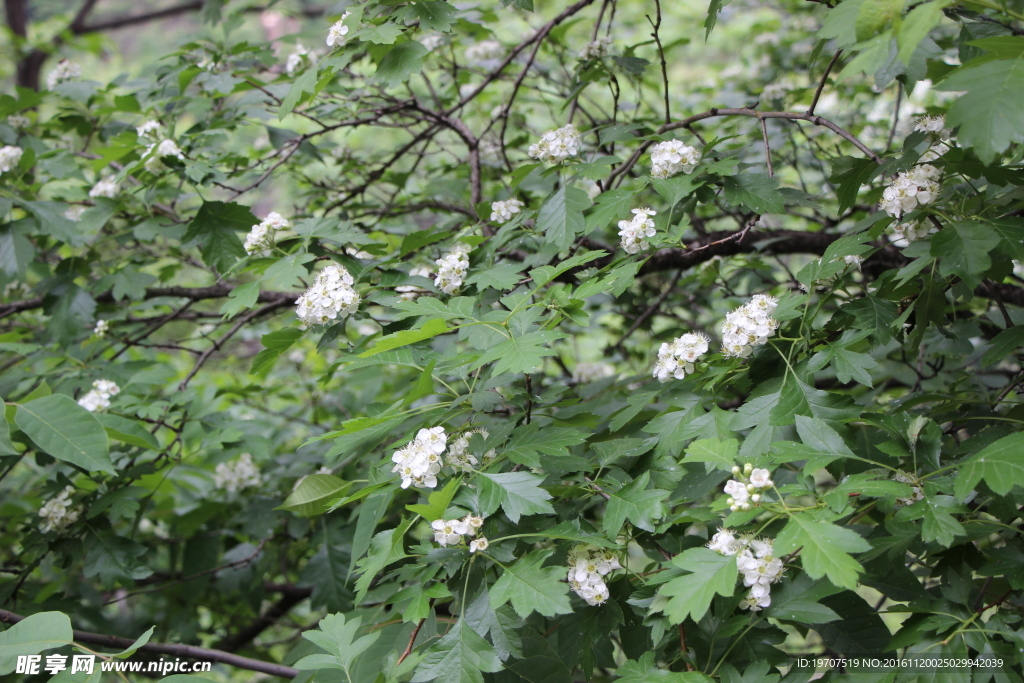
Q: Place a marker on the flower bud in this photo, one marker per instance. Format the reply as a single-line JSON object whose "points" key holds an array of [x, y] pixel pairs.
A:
{"points": [[756, 498], [735, 469], [751, 488], [745, 506], [748, 468]]}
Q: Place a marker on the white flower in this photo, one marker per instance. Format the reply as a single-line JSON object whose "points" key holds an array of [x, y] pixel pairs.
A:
{"points": [[635, 231], [904, 233], [451, 269], [57, 512], [930, 124], [18, 121], [412, 292], [107, 187], [478, 544], [749, 326], [336, 34], [588, 565], [754, 601], [167, 148], [330, 296], [448, 531], [261, 238], [487, 54], [502, 212], [98, 398], [596, 49], [473, 524], [556, 146], [672, 157], [853, 260], [420, 460], [302, 56], [101, 328], [761, 478], [149, 130], [66, 70], [676, 358], [738, 495], [359, 254], [724, 542], [74, 212], [917, 187], [9, 157], [591, 372], [917, 493], [459, 456], [237, 474]]}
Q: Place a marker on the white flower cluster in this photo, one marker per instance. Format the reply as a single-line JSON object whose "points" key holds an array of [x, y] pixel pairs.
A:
{"points": [[66, 70], [588, 565], [330, 295], [450, 531], [98, 398], [238, 474], [166, 148], [101, 328], [412, 292], [420, 460], [746, 489], [917, 187], [755, 560], [636, 230], [74, 213], [915, 485], [596, 49], [676, 358], [591, 372], [487, 54], [749, 326], [556, 146], [905, 233], [452, 268], [18, 121], [502, 212], [336, 34], [672, 157], [57, 512], [458, 455], [930, 124], [302, 56], [149, 130], [261, 238], [10, 156], [107, 187]]}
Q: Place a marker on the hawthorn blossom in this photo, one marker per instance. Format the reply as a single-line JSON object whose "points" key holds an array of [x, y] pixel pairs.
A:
{"points": [[413, 292], [431, 41], [64, 71], [336, 34], [596, 49], [459, 455], [749, 326], [330, 296], [556, 146], [755, 561], [588, 565], [452, 268], [10, 156], [676, 358], [302, 56], [167, 148], [419, 461], [74, 212], [917, 492], [107, 187], [448, 531], [58, 513], [672, 157], [261, 237], [101, 328], [478, 544], [98, 398], [910, 189], [149, 130], [745, 491], [635, 231], [503, 211], [725, 542], [902, 234], [930, 124], [591, 372], [237, 474]]}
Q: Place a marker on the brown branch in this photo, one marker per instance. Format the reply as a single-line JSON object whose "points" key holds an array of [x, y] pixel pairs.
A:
{"points": [[174, 650], [821, 83], [132, 20]]}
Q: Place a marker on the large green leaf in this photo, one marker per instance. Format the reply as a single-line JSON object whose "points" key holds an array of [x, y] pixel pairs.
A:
{"points": [[714, 453], [756, 192], [214, 230], [519, 354], [519, 493], [964, 247], [315, 494], [529, 587], [429, 330], [337, 636], [32, 635], [824, 548], [561, 216], [1000, 464], [274, 344], [990, 114], [711, 574], [400, 62], [642, 507], [459, 657], [67, 431]]}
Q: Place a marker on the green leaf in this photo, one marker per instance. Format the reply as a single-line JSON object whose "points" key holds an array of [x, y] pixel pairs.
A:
{"points": [[645, 670], [274, 344], [214, 230], [610, 206], [964, 248], [876, 16], [1004, 344], [241, 297], [127, 431], [1000, 464], [841, 23], [530, 441], [400, 62], [519, 493], [529, 587], [797, 600], [519, 354], [315, 494], [328, 573], [755, 191], [67, 431], [938, 524], [634, 502], [918, 23], [139, 642], [560, 217], [437, 501], [459, 657], [379, 34], [825, 442], [990, 114], [824, 548], [32, 635], [114, 559], [714, 453], [849, 365], [306, 83], [501, 277], [434, 15], [337, 636], [711, 574], [484, 619], [873, 313], [429, 330]]}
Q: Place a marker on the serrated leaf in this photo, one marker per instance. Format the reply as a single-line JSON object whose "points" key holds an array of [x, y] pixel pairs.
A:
{"points": [[519, 493], [1000, 464], [634, 502], [964, 247], [560, 217], [214, 230], [990, 114], [501, 277], [274, 344], [400, 62], [937, 522], [797, 600], [756, 191], [459, 657], [711, 574], [429, 330], [645, 670], [714, 453], [872, 313], [1004, 344], [437, 501], [529, 587], [67, 431], [824, 548], [519, 354], [530, 441], [315, 494], [337, 636]]}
